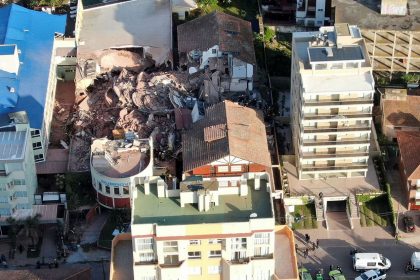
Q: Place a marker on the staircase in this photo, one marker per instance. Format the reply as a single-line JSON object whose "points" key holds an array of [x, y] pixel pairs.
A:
{"points": [[319, 210], [354, 209]]}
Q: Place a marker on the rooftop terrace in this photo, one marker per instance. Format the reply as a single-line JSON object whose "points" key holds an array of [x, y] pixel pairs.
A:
{"points": [[149, 209]]}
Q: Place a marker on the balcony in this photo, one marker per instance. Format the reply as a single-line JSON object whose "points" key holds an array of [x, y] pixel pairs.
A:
{"points": [[351, 166], [240, 261], [334, 155], [353, 101], [336, 129], [3, 173], [262, 257], [336, 117], [310, 143]]}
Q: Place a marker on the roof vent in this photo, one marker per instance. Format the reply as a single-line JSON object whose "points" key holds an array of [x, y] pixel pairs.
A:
{"points": [[12, 89]]}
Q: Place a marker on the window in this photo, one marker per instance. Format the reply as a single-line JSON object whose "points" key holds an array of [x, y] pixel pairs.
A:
{"points": [[223, 168], [215, 241], [147, 257], [170, 246], [320, 10], [4, 199], [116, 190], [100, 187], [261, 251], [238, 248], [39, 157], [143, 244], [18, 182], [21, 194], [37, 145], [236, 168], [35, 133], [215, 254], [194, 255], [107, 189], [213, 51], [262, 238], [214, 269], [195, 242], [194, 270], [125, 190]]}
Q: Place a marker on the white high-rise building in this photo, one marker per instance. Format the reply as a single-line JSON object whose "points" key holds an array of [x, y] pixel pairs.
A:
{"points": [[332, 91]]}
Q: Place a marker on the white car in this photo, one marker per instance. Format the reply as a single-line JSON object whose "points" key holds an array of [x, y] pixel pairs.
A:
{"points": [[372, 275]]}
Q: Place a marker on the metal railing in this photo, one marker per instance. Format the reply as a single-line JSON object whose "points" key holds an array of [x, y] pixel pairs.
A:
{"points": [[335, 129], [334, 155], [336, 142], [333, 167]]}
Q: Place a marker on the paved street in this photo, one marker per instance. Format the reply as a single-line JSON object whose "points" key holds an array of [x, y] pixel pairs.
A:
{"points": [[335, 247]]}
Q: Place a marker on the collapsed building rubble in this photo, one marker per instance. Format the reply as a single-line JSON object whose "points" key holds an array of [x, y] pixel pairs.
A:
{"points": [[127, 101]]}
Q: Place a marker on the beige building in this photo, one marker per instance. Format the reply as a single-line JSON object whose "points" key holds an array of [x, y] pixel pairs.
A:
{"points": [[332, 90], [391, 30]]}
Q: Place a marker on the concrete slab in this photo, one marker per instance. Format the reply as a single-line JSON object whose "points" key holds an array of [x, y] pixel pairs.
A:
{"points": [[331, 186]]}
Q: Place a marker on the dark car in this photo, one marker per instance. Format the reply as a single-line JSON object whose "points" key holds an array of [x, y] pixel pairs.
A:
{"points": [[409, 224]]}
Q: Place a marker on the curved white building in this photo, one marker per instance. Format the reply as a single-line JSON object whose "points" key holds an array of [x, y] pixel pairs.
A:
{"points": [[116, 166]]}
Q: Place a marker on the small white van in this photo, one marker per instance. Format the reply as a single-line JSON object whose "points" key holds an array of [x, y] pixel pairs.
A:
{"points": [[415, 261], [368, 261]]}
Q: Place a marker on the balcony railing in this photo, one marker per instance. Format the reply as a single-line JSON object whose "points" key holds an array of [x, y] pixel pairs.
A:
{"points": [[240, 261], [353, 101], [337, 142], [338, 116], [3, 173], [335, 129], [333, 167], [334, 155]]}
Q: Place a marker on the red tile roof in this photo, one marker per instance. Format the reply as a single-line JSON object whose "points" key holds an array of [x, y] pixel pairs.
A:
{"points": [[230, 33], [402, 112], [409, 144], [226, 129]]}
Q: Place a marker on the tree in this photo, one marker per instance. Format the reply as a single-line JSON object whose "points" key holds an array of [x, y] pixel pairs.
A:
{"points": [[30, 228], [13, 230], [207, 3]]}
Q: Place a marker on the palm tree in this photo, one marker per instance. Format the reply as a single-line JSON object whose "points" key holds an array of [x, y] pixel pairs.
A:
{"points": [[30, 227]]}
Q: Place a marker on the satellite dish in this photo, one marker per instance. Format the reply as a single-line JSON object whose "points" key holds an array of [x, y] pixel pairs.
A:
{"points": [[253, 215]]}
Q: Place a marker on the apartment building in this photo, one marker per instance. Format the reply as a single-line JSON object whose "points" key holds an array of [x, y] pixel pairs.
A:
{"points": [[312, 12], [218, 223], [27, 69], [332, 91], [18, 181]]}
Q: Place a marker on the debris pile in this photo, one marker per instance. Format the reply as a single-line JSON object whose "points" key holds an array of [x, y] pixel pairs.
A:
{"points": [[130, 101]]}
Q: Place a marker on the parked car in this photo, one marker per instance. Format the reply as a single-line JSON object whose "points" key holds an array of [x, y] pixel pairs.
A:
{"points": [[369, 261], [409, 224], [371, 275], [414, 263], [336, 273]]}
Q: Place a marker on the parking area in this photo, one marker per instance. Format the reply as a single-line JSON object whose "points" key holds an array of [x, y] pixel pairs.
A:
{"points": [[335, 247]]}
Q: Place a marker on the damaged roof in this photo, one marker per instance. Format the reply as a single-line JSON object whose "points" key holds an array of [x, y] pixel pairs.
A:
{"points": [[230, 33], [226, 129], [127, 24]]}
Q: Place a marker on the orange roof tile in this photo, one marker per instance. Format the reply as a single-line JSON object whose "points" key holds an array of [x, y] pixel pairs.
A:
{"points": [[409, 144]]}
